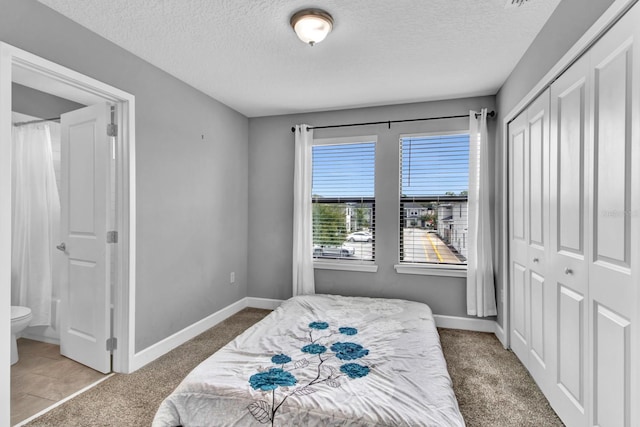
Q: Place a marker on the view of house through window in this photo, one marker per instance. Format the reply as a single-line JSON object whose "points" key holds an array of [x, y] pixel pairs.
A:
{"points": [[434, 184], [343, 199]]}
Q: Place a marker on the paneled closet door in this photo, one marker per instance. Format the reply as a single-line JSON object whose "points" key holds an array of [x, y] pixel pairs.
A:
{"points": [[614, 181], [519, 236], [532, 301], [568, 272]]}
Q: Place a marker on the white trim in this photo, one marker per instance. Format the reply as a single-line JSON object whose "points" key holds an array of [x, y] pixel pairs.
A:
{"points": [[264, 303], [160, 348], [432, 270], [465, 323], [345, 266], [5, 231], [60, 402]]}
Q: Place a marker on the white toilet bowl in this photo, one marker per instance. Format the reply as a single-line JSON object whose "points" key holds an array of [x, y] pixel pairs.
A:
{"points": [[20, 319]]}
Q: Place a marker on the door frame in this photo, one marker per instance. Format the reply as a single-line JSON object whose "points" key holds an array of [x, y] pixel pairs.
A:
{"points": [[617, 9], [21, 66]]}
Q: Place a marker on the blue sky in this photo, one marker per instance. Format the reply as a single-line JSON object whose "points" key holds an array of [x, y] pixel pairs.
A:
{"points": [[431, 166]]}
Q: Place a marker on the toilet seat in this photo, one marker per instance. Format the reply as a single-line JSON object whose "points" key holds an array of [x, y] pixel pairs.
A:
{"points": [[19, 312]]}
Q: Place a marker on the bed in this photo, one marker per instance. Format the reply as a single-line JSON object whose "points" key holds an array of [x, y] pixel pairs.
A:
{"points": [[323, 360]]}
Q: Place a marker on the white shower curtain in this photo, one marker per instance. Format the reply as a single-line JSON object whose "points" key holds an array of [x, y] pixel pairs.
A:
{"points": [[303, 280], [481, 300], [36, 212]]}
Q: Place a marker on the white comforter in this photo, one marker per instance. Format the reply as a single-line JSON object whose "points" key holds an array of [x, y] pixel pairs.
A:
{"points": [[323, 360]]}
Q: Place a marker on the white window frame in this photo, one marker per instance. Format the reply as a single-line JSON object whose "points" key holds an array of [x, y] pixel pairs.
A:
{"points": [[347, 265], [446, 270]]}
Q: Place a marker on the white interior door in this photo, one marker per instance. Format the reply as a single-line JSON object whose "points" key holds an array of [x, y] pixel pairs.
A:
{"points": [[85, 285]]}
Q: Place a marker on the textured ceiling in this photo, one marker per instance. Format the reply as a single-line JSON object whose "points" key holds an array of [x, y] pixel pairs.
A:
{"points": [[245, 54]]}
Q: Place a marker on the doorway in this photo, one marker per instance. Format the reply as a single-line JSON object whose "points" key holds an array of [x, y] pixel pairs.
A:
{"points": [[17, 66]]}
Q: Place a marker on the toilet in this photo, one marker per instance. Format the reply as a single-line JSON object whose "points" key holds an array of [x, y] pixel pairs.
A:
{"points": [[20, 319]]}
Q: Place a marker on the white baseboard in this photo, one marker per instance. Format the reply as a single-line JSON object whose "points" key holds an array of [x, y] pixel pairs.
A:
{"points": [[41, 337], [265, 303], [465, 323], [150, 354]]}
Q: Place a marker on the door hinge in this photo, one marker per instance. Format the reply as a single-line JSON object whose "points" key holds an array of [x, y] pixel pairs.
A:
{"points": [[112, 236], [112, 344], [112, 129]]}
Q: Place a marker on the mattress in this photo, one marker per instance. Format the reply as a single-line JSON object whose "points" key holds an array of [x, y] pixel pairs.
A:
{"points": [[323, 360]]}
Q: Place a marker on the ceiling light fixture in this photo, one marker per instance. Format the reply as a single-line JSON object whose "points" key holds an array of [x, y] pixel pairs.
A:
{"points": [[312, 25]]}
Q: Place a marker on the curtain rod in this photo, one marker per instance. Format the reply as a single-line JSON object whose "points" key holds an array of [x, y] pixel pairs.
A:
{"points": [[388, 122], [53, 119]]}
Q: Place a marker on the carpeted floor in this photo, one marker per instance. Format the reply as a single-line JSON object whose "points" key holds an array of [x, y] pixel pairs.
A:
{"points": [[492, 387]]}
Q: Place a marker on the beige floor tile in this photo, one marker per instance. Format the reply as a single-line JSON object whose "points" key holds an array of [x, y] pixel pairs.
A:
{"points": [[42, 377], [26, 364], [24, 405], [37, 348]]}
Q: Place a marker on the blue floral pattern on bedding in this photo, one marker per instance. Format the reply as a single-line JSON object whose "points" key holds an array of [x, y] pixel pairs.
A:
{"points": [[282, 383]]}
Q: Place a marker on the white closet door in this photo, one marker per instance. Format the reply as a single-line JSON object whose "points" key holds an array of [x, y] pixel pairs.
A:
{"points": [[614, 182], [541, 296], [569, 215], [518, 229], [533, 315]]}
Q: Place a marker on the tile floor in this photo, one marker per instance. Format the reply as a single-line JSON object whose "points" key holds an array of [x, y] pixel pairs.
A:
{"points": [[42, 377]]}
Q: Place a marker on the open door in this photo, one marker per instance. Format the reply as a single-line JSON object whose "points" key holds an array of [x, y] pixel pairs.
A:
{"points": [[85, 283]]}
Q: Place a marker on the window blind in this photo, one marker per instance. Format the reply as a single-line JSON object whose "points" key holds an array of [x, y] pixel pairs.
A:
{"points": [[344, 201], [434, 183]]}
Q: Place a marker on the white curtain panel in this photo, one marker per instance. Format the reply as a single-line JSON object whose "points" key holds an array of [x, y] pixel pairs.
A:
{"points": [[481, 300], [303, 281], [36, 213]]}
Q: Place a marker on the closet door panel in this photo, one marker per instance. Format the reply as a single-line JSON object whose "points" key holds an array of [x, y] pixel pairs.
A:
{"points": [[568, 240], [519, 217], [570, 168], [612, 155], [538, 318], [571, 346], [537, 178], [520, 303], [612, 361], [615, 182], [541, 296], [518, 184]]}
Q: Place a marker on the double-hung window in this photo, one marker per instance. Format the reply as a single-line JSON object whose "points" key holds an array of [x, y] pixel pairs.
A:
{"points": [[343, 200], [434, 184]]}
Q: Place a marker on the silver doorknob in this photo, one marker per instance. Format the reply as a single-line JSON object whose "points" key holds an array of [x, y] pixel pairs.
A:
{"points": [[61, 247], [568, 271], [536, 260]]}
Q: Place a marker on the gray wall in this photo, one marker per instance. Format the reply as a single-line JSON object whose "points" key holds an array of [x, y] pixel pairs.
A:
{"points": [[191, 190], [570, 20], [271, 199]]}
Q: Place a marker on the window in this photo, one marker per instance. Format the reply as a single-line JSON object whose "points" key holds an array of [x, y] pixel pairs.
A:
{"points": [[343, 199], [434, 183]]}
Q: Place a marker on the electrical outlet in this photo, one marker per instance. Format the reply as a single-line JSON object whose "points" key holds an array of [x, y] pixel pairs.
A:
{"points": [[232, 278]]}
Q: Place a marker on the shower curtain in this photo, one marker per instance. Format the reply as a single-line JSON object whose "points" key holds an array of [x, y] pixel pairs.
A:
{"points": [[36, 213]]}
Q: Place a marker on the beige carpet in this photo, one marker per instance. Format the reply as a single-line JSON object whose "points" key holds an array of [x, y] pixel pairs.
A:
{"points": [[493, 388]]}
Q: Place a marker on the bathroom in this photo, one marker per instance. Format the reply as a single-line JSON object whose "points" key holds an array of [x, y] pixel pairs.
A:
{"points": [[44, 375]]}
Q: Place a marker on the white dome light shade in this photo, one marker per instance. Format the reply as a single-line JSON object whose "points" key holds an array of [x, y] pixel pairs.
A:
{"points": [[312, 25]]}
